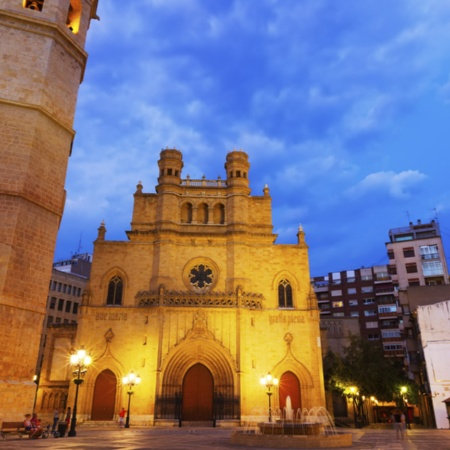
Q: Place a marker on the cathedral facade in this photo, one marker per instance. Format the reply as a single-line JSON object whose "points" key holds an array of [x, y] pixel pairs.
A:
{"points": [[200, 302]]}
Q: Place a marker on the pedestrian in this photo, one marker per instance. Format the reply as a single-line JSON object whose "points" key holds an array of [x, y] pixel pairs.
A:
{"points": [[55, 419], [68, 415], [122, 417], [398, 419]]}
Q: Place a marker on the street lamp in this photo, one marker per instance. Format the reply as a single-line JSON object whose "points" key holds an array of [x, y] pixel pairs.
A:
{"points": [[130, 380], [353, 394], [269, 382], [403, 391], [79, 360]]}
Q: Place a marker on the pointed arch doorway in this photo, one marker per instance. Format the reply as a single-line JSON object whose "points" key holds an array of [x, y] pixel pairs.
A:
{"points": [[289, 385], [198, 394], [104, 398]]}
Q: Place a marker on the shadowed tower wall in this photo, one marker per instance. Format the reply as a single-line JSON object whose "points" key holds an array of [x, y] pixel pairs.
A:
{"points": [[42, 62]]}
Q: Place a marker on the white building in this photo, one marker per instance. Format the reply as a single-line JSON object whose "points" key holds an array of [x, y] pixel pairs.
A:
{"points": [[434, 325]]}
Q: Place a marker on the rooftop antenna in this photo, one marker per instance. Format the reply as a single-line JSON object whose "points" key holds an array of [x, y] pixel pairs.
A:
{"points": [[436, 218], [79, 246], [407, 215]]}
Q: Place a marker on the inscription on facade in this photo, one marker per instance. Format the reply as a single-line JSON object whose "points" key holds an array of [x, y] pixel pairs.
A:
{"points": [[286, 319], [111, 316]]}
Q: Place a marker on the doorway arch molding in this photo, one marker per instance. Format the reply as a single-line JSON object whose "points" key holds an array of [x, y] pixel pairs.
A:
{"points": [[199, 350]]}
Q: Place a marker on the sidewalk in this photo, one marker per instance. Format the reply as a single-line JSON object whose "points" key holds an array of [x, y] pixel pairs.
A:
{"points": [[214, 438]]}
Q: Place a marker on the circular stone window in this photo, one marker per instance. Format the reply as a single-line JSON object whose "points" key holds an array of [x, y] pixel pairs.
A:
{"points": [[200, 275]]}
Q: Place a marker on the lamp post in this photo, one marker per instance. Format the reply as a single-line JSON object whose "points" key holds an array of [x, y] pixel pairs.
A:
{"points": [[79, 360], [130, 380], [269, 382], [403, 391], [353, 394]]}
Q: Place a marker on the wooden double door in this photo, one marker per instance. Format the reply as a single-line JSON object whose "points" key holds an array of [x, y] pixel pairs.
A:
{"points": [[198, 394]]}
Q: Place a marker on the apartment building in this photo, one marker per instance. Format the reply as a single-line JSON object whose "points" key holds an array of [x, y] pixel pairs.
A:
{"points": [[368, 294], [68, 281], [416, 255]]}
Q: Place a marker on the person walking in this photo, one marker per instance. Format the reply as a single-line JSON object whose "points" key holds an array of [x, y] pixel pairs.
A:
{"points": [[398, 419], [55, 419], [122, 417]]}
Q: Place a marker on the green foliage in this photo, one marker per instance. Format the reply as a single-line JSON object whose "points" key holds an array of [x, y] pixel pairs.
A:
{"points": [[365, 367]]}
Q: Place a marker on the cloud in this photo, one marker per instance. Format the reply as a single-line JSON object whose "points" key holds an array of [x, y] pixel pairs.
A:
{"points": [[396, 185]]}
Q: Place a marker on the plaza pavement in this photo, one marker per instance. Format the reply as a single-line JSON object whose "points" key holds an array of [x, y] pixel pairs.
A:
{"points": [[214, 438]]}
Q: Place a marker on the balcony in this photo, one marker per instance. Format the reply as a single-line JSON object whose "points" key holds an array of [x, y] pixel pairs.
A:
{"points": [[382, 279], [386, 290], [430, 256]]}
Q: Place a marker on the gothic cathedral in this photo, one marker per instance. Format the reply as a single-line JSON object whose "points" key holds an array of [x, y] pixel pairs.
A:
{"points": [[200, 302]]}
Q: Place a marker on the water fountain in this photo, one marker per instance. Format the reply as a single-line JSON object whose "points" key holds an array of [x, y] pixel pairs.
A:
{"points": [[302, 428]]}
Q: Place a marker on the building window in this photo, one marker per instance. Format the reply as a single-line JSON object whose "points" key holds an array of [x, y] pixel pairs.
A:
{"points": [[408, 252], [74, 16], [35, 5], [390, 254], [414, 282], [411, 268], [338, 314], [285, 294], [68, 306], [387, 309], [203, 214], [186, 213], [368, 301], [115, 290], [351, 276], [339, 304], [370, 312], [429, 252], [60, 304], [373, 336], [390, 334], [49, 320], [75, 308], [432, 268], [354, 314], [219, 214], [336, 278], [336, 293], [351, 291], [353, 303], [392, 270], [69, 290], [371, 324], [366, 289], [53, 303]]}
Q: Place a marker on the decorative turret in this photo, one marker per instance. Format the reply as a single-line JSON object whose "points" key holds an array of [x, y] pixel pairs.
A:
{"points": [[301, 237], [237, 167], [170, 165], [101, 231]]}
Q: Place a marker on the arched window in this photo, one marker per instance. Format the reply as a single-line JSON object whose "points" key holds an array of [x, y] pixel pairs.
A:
{"points": [[186, 213], [285, 294], [219, 214], [115, 290], [202, 213], [74, 16]]}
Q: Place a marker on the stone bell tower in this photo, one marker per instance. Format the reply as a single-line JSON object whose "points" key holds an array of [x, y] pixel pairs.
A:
{"points": [[42, 62]]}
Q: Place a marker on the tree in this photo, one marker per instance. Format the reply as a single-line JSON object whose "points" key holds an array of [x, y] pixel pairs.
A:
{"points": [[365, 371]]}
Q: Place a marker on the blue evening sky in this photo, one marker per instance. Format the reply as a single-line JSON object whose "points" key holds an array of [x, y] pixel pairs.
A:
{"points": [[343, 107]]}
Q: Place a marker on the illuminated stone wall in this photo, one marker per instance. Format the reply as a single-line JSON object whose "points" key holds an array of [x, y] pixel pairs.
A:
{"points": [[200, 293]]}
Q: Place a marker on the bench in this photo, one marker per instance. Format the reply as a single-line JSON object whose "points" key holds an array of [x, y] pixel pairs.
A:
{"points": [[13, 427]]}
